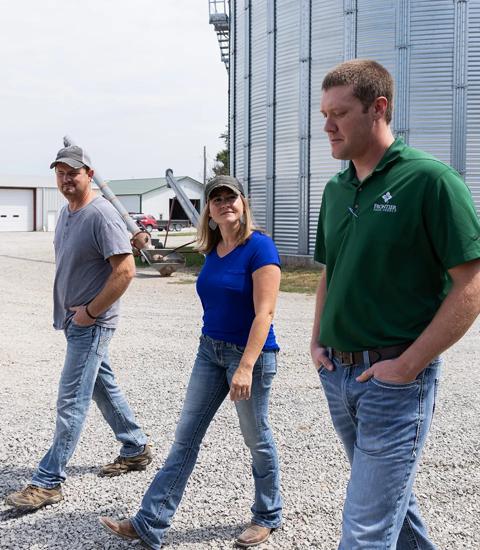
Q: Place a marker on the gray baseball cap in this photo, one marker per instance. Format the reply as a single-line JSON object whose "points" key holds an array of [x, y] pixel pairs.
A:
{"points": [[223, 181], [74, 156]]}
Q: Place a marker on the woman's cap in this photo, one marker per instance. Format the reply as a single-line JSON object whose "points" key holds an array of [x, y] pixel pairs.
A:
{"points": [[224, 181]]}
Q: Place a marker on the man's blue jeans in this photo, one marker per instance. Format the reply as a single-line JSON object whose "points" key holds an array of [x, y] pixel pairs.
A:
{"points": [[86, 374], [383, 428], [212, 373]]}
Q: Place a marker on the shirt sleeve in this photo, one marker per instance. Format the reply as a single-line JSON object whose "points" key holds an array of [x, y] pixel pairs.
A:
{"points": [[265, 253], [451, 220], [320, 254], [112, 237]]}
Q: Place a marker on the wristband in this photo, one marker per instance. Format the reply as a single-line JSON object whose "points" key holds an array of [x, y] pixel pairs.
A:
{"points": [[89, 314]]}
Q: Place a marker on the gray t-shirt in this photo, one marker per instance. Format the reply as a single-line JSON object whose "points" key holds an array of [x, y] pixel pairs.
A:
{"points": [[84, 240]]}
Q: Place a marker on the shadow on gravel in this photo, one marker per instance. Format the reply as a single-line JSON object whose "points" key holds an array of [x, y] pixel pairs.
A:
{"points": [[148, 275], [68, 530], [12, 478], [12, 513], [204, 534], [26, 259], [55, 530]]}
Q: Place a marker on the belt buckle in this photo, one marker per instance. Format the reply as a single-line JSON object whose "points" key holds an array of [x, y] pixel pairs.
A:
{"points": [[347, 358]]}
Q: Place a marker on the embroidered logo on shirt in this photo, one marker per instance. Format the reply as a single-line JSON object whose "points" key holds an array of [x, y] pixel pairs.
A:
{"points": [[387, 196], [390, 208]]}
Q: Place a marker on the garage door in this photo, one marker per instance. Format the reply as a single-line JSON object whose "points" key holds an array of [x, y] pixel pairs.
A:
{"points": [[16, 209]]}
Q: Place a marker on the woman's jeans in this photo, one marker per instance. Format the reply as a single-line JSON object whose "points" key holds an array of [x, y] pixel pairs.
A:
{"points": [[86, 374], [383, 428], [209, 384]]}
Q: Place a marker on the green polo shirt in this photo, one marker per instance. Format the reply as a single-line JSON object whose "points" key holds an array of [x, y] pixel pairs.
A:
{"points": [[387, 243]]}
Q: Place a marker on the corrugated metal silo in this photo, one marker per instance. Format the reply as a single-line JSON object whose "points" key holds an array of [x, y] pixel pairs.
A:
{"points": [[279, 52]]}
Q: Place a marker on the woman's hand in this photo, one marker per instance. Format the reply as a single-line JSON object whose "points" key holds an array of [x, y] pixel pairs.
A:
{"points": [[266, 282], [241, 385]]}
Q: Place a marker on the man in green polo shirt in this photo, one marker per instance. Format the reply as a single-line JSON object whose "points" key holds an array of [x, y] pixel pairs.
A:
{"points": [[400, 240]]}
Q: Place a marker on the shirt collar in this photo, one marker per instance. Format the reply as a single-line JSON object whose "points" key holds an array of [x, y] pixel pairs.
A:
{"points": [[391, 154]]}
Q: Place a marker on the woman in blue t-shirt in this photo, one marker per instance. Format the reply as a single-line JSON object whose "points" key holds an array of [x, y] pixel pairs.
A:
{"points": [[238, 287]]}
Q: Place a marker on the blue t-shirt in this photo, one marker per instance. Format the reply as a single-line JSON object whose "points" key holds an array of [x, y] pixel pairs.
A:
{"points": [[225, 287]]}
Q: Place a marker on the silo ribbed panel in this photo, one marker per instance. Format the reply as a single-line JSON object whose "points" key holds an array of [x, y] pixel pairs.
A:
{"points": [[286, 200], [473, 102], [431, 76], [327, 51], [258, 111]]}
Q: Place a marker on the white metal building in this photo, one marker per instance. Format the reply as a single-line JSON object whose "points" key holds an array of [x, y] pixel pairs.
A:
{"points": [[280, 51], [29, 203], [153, 196], [32, 203]]}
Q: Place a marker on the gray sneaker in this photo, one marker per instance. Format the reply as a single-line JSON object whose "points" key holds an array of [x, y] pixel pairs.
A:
{"points": [[124, 464], [32, 498]]}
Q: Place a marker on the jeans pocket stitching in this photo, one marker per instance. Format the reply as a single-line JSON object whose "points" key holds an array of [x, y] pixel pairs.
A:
{"points": [[392, 386], [103, 341], [275, 362]]}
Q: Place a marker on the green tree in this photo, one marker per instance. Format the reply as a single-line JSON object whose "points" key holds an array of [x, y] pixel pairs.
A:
{"points": [[222, 160]]}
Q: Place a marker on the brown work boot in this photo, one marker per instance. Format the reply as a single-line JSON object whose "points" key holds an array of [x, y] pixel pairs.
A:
{"points": [[32, 498], [123, 529], [253, 535], [123, 464]]}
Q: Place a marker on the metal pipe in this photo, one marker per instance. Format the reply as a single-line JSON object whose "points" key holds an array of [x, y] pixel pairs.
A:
{"points": [[182, 198], [109, 195]]}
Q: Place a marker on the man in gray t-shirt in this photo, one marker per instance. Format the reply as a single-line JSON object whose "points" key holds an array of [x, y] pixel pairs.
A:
{"points": [[94, 266], [85, 240]]}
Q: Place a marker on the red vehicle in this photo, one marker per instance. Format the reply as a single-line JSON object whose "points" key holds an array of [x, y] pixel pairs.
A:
{"points": [[145, 221]]}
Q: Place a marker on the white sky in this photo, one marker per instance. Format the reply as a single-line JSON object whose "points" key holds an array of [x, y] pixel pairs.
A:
{"points": [[138, 83]]}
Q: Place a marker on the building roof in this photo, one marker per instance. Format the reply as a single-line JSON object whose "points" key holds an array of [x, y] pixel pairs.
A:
{"points": [[31, 182], [143, 186], [27, 181]]}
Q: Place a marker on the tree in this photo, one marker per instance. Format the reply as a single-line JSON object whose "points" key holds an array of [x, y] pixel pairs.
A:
{"points": [[222, 160]]}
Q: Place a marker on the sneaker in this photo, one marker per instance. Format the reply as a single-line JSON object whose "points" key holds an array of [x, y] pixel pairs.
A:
{"points": [[33, 497], [123, 464]]}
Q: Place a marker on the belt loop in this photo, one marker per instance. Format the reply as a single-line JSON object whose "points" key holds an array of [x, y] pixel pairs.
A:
{"points": [[366, 359], [329, 352]]}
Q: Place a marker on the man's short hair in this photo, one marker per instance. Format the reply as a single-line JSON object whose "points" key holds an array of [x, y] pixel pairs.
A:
{"points": [[369, 80]]}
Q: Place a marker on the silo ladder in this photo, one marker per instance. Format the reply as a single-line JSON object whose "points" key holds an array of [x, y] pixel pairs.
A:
{"points": [[219, 20]]}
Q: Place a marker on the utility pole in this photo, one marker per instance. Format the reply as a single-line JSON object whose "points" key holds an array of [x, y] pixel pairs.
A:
{"points": [[204, 165]]}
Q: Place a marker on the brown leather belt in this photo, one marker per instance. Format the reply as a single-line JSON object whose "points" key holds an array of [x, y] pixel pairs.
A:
{"points": [[349, 358]]}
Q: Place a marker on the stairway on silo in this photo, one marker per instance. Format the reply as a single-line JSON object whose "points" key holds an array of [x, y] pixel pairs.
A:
{"points": [[219, 19]]}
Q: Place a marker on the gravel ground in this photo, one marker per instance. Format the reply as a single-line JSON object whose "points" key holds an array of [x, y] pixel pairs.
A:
{"points": [[152, 354]]}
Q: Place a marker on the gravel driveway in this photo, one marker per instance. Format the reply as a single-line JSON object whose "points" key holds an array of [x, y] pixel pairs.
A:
{"points": [[152, 354]]}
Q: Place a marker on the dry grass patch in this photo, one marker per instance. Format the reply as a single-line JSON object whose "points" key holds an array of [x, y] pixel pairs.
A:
{"points": [[299, 279]]}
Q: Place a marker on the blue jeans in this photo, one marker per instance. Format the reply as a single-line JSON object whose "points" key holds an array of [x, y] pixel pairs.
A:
{"points": [[383, 428], [212, 373], [86, 374]]}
